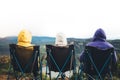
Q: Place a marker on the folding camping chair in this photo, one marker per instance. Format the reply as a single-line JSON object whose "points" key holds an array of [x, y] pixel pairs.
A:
{"points": [[25, 62], [61, 59], [97, 64]]}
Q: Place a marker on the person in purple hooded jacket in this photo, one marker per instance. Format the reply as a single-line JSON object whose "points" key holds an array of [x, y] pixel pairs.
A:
{"points": [[99, 41]]}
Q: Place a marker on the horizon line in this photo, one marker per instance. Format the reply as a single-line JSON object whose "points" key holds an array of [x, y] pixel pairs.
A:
{"points": [[67, 37]]}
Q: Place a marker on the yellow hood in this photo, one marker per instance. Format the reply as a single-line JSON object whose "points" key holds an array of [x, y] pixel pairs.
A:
{"points": [[24, 38]]}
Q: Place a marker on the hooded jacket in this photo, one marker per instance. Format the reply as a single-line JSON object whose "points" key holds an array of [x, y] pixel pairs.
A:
{"points": [[99, 41], [61, 40], [24, 38]]}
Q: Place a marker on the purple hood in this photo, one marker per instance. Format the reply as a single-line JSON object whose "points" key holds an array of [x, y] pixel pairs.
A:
{"points": [[99, 35], [99, 40]]}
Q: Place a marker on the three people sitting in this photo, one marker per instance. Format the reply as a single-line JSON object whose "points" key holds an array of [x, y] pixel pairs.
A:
{"points": [[98, 41]]}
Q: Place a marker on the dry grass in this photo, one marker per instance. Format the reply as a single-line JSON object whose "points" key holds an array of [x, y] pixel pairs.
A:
{"points": [[4, 77]]}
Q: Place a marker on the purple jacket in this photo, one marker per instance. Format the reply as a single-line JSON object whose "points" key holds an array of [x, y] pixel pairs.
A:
{"points": [[99, 41]]}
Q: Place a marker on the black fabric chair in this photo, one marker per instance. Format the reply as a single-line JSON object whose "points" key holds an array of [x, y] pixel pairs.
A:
{"points": [[60, 59], [97, 64], [25, 61]]}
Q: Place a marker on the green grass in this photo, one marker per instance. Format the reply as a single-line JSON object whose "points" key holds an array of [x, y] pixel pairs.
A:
{"points": [[4, 68]]}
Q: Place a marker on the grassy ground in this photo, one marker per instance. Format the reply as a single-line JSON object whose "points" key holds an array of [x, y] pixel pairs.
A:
{"points": [[4, 65]]}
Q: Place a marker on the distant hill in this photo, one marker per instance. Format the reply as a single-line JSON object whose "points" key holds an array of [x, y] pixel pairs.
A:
{"points": [[4, 42], [79, 43], [42, 40], [35, 40]]}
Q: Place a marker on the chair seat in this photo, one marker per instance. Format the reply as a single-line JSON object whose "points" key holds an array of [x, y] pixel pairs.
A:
{"points": [[24, 60], [97, 62], [60, 59]]}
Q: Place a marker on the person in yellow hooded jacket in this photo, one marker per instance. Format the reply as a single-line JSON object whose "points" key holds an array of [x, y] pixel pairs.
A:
{"points": [[25, 39]]}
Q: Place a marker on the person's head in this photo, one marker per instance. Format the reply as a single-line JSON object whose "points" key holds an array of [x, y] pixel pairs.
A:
{"points": [[99, 35], [24, 38], [61, 40]]}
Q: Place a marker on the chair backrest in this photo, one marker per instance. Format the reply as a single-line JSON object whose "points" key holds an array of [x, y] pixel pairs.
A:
{"points": [[97, 61], [24, 59], [60, 58]]}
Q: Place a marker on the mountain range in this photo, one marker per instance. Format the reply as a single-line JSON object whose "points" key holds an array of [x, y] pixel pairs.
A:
{"points": [[79, 43], [4, 42]]}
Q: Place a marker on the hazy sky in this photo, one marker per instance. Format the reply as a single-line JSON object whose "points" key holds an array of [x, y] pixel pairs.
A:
{"points": [[75, 18]]}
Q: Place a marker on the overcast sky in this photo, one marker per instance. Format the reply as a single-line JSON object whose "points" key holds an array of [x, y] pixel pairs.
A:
{"points": [[74, 18]]}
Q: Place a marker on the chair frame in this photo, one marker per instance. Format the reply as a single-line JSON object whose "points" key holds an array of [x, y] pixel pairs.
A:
{"points": [[55, 62], [20, 71], [98, 71]]}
